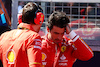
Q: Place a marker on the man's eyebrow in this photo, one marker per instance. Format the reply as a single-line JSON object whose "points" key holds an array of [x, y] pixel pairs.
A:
{"points": [[56, 32]]}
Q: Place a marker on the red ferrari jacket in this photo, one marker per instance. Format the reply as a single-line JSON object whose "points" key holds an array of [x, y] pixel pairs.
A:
{"points": [[66, 53], [21, 47]]}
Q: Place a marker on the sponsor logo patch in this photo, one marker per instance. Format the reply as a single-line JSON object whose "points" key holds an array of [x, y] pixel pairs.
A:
{"points": [[37, 42], [63, 59], [63, 48], [43, 56], [10, 56]]}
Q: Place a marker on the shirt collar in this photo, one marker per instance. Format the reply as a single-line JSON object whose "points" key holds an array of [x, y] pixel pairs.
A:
{"points": [[26, 26]]}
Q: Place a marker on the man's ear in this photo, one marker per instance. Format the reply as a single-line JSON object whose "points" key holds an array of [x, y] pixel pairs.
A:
{"points": [[48, 29]]}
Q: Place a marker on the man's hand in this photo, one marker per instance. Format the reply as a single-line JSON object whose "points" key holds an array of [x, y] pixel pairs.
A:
{"points": [[68, 29]]}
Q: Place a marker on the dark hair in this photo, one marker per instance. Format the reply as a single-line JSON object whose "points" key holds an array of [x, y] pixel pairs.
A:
{"points": [[29, 11], [58, 19]]}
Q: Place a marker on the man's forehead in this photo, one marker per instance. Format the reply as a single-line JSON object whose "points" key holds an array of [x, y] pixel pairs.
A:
{"points": [[58, 29]]}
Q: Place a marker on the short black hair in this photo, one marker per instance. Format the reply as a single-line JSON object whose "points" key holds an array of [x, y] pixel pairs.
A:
{"points": [[58, 19], [28, 13]]}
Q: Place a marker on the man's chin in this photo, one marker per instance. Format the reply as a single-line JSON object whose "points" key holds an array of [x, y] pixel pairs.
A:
{"points": [[57, 42]]}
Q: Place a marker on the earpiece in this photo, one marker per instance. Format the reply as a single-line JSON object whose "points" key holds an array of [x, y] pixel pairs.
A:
{"points": [[39, 16]]}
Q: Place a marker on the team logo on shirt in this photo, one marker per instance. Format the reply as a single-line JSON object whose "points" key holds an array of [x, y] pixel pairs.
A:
{"points": [[63, 48], [63, 57], [43, 56], [37, 42], [63, 61], [10, 56]]}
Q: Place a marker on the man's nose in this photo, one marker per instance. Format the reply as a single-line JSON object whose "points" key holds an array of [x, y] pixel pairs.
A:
{"points": [[60, 37]]}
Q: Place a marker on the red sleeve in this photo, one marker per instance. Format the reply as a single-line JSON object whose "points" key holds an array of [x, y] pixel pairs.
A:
{"points": [[1, 46], [0, 53], [34, 53], [82, 51]]}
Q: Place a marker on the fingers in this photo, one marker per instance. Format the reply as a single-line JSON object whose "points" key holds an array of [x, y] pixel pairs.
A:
{"points": [[68, 29]]}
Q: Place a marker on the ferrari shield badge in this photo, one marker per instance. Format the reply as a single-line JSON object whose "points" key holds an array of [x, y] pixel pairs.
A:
{"points": [[63, 48]]}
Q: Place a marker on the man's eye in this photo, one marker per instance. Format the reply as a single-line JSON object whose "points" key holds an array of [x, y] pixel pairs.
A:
{"points": [[56, 33]]}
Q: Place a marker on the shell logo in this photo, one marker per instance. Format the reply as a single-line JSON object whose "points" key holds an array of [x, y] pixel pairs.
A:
{"points": [[43, 56], [10, 56]]}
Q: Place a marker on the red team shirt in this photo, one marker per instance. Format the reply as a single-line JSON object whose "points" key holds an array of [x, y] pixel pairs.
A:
{"points": [[21, 48], [66, 53]]}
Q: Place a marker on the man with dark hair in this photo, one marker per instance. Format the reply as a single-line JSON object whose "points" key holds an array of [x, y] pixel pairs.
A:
{"points": [[22, 47], [57, 49]]}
